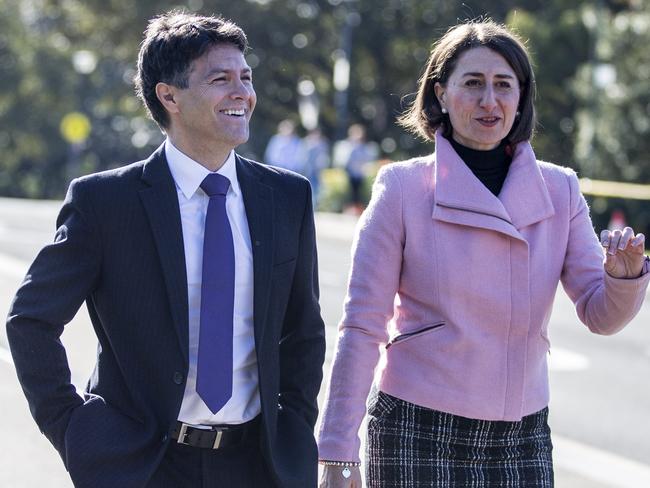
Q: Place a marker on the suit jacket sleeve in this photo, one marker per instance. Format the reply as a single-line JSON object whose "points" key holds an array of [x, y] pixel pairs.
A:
{"points": [[56, 284], [605, 304], [302, 345]]}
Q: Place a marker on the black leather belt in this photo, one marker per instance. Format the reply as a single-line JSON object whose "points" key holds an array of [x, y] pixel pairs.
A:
{"points": [[216, 437]]}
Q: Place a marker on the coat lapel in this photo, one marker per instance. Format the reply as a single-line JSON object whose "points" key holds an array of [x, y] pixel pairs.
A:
{"points": [[258, 201], [161, 205], [460, 198], [524, 194]]}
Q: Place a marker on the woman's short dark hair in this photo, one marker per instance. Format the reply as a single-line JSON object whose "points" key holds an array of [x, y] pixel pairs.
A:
{"points": [[425, 116], [172, 41]]}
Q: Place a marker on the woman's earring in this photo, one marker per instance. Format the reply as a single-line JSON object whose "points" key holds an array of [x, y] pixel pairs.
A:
{"points": [[444, 110], [518, 113]]}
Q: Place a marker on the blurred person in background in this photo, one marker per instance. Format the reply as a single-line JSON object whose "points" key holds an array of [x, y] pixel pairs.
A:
{"points": [[210, 338], [353, 154], [284, 148], [455, 266], [316, 157]]}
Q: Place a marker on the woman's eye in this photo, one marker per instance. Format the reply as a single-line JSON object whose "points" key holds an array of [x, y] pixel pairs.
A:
{"points": [[473, 83]]}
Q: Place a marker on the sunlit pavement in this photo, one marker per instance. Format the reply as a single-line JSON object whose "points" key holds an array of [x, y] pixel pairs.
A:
{"points": [[600, 392]]}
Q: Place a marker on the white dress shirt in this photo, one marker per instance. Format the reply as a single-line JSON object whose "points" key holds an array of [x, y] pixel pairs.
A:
{"points": [[244, 404]]}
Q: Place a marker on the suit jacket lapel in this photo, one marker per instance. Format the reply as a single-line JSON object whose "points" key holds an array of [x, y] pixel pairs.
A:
{"points": [[258, 201], [161, 205]]}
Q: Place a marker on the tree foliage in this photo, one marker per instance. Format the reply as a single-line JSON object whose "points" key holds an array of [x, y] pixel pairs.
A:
{"points": [[61, 56]]}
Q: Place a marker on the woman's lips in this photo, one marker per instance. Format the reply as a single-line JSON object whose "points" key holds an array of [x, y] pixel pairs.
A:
{"points": [[488, 121]]}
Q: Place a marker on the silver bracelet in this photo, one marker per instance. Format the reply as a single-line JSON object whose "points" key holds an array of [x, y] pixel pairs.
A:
{"points": [[342, 464]]}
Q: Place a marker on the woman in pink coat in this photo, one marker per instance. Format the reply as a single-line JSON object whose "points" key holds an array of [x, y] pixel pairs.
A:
{"points": [[455, 267]]}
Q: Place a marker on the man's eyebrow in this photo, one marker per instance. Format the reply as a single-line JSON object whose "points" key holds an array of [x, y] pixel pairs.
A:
{"points": [[481, 75], [219, 70]]}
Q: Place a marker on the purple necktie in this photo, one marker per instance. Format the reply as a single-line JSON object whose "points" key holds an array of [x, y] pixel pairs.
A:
{"points": [[214, 368]]}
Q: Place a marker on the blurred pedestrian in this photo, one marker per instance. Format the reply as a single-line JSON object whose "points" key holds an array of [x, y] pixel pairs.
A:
{"points": [[455, 267], [284, 148], [617, 220], [354, 154], [210, 337], [316, 157]]}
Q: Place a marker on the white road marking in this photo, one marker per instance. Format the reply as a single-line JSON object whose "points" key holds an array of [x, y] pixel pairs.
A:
{"points": [[328, 278], [5, 356], [565, 360], [600, 466], [12, 266]]}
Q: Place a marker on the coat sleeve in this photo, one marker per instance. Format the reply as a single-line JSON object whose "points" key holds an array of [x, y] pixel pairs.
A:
{"points": [[56, 284], [603, 303], [374, 280], [302, 345]]}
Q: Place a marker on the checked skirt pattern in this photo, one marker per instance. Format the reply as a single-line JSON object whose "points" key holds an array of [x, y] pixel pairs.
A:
{"points": [[411, 446]]}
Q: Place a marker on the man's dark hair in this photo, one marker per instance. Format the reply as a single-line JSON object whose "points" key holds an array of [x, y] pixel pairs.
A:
{"points": [[172, 41], [425, 115]]}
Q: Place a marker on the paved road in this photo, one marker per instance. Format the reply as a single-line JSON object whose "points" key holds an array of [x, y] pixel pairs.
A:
{"points": [[600, 386]]}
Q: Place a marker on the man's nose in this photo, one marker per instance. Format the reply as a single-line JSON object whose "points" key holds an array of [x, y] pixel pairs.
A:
{"points": [[240, 90]]}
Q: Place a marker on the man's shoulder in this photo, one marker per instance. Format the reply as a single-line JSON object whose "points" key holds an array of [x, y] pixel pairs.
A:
{"points": [[120, 176], [121, 173], [112, 185]]}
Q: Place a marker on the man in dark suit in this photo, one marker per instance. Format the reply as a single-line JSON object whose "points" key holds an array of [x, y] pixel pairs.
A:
{"points": [[198, 268]]}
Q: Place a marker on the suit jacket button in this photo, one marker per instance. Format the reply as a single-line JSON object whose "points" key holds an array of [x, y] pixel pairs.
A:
{"points": [[178, 378], [164, 438]]}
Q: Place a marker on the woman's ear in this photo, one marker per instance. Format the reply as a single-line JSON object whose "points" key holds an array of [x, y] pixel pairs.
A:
{"points": [[439, 90]]}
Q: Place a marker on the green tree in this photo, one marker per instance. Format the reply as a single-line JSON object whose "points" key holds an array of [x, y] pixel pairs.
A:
{"points": [[59, 56]]}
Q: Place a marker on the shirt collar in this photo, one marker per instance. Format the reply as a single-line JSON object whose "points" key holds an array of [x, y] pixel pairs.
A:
{"points": [[188, 174]]}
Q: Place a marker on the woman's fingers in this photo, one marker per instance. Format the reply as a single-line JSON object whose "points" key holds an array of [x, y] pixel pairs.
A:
{"points": [[639, 241], [626, 237], [609, 240], [617, 240]]}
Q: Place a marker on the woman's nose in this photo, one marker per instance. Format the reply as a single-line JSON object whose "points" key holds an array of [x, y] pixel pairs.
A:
{"points": [[488, 99]]}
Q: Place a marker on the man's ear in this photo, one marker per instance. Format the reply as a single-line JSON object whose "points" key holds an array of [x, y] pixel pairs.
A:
{"points": [[167, 96]]}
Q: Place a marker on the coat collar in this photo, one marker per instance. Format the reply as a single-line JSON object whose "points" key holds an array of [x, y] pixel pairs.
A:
{"points": [[461, 198]]}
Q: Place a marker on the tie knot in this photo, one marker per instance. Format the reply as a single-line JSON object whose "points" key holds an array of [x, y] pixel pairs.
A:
{"points": [[215, 184]]}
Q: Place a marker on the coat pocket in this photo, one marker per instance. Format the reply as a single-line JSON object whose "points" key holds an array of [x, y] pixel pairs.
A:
{"points": [[410, 335]]}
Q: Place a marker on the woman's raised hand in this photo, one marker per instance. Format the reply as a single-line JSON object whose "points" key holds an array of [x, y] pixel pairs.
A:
{"points": [[624, 252]]}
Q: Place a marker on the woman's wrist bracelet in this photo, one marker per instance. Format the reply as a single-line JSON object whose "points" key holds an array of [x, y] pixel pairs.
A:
{"points": [[341, 464]]}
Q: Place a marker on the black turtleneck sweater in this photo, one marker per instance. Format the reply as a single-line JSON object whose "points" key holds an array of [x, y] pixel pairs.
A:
{"points": [[490, 167]]}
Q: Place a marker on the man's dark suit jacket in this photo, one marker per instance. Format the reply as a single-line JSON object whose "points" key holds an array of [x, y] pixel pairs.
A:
{"points": [[119, 248]]}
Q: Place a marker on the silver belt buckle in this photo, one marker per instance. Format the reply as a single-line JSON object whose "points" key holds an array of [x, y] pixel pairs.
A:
{"points": [[182, 434], [217, 439]]}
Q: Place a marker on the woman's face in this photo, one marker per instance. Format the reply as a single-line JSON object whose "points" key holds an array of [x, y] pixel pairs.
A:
{"points": [[481, 97]]}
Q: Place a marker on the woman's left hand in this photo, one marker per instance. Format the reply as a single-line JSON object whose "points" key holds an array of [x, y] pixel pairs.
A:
{"points": [[624, 255]]}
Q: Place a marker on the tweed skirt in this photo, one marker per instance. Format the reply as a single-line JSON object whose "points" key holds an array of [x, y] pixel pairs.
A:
{"points": [[411, 446]]}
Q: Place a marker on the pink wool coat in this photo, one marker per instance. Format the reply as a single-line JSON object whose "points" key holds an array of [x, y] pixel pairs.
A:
{"points": [[454, 287]]}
